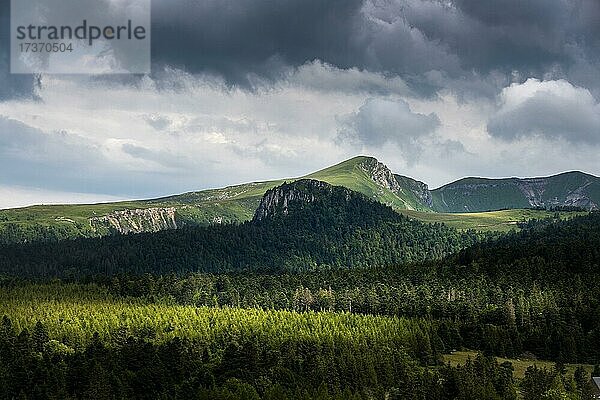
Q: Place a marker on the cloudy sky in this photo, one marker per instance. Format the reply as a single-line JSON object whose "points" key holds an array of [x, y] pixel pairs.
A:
{"points": [[244, 90]]}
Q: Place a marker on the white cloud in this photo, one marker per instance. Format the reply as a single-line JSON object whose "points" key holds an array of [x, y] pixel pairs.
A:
{"points": [[553, 109]]}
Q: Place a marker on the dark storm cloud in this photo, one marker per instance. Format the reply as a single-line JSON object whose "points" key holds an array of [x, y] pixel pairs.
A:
{"points": [[466, 46], [488, 35], [240, 37], [11, 86], [431, 44]]}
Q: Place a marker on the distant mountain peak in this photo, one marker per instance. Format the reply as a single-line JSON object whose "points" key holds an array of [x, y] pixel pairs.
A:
{"points": [[568, 189]]}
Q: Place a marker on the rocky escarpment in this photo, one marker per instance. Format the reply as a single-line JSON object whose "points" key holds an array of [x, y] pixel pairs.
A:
{"points": [[381, 174], [415, 194], [580, 198], [536, 192], [533, 190], [280, 200], [137, 220], [419, 189]]}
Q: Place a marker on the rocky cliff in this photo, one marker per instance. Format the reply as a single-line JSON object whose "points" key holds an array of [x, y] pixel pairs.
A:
{"points": [[137, 220], [279, 200], [380, 174], [413, 193], [419, 189]]}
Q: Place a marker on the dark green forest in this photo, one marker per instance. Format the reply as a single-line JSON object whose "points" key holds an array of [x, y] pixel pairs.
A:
{"points": [[325, 294], [340, 229]]}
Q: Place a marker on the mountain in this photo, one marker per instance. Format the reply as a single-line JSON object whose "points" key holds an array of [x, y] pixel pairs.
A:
{"points": [[571, 189], [375, 180], [303, 225], [237, 203], [362, 174]]}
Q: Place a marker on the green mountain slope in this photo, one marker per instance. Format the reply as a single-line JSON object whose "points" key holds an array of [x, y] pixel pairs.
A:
{"points": [[368, 176], [571, 189]]}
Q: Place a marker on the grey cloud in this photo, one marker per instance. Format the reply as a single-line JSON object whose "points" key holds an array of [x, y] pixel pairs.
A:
{"points": [[66, 162], [381, 121], [30, 156], [166, 159], [12, 86], [273, 155], [324, 77], [450, 148], [470, 47], [158, 122]]}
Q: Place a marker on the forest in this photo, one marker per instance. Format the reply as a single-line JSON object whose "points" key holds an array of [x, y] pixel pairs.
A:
{"points": [[328, 296]]}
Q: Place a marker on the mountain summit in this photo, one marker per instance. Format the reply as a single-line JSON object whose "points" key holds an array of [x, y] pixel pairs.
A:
{"points": [[375, 180]]}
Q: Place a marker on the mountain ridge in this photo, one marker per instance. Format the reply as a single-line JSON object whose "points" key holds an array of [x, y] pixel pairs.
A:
{"points": [[363, 174], [475, 194]]}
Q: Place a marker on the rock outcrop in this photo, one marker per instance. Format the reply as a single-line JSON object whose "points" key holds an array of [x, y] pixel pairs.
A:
{"points": [[280, 199], [380, 174], [415, 194], [137, 220]]}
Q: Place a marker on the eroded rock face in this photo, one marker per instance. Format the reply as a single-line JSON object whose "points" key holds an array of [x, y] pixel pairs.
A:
{"points": [[418, 188], [277, 201], [397, 184], [137, 220], [578, 198], [533, 189], [381, 174]]}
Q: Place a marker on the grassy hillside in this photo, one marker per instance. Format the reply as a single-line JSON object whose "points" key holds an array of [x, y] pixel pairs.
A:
{"points": [[480, 194], [214, 206], [497, 221], [355, 175]]}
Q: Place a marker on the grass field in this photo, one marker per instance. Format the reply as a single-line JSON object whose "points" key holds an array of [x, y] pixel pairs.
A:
{"points": [[520, 366], [500, 221]]}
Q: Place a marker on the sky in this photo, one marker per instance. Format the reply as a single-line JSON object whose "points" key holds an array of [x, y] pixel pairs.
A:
{"points": [[246, 90]]}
